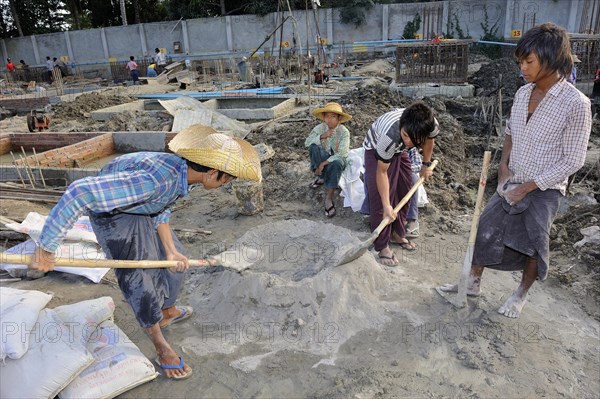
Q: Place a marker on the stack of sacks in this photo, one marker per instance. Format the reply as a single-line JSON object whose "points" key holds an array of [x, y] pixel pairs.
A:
{"points": [[80, 243], [73, 351]]}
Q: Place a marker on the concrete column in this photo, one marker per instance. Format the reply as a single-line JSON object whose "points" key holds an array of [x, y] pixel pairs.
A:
{"points": [[143, 40], [186, 38], [573, 11], [329, 22], [445, 15], [4, 50], [385, 22], [104, 43], [229, 33], [36, 51], [510, 7], [69, 47]]}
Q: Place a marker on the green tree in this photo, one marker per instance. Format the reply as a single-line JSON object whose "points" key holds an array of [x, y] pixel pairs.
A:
{"points": [[412, 27]]}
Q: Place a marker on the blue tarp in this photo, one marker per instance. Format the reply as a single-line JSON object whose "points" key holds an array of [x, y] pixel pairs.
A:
{"points": [[217, 94]]}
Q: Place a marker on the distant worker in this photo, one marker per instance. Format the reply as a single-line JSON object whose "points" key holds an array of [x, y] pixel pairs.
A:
{"points": [[151, 71], [328, 145], [160, 60], [573, 77], [49, 68], [60, 64], [10, 69], [23, 71], [133, 69]]}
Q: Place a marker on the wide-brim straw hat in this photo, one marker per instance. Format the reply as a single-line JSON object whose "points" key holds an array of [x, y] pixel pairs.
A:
{"points": [[205, 146], [332, 107]]}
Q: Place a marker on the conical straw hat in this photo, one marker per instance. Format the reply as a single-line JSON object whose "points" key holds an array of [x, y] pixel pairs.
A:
{"points": [[332, 107], [205, 146]]}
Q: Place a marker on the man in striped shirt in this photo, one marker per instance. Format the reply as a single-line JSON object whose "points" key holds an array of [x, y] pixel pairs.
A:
{"points": [[546, 142], [129, 208], [388, 174]]}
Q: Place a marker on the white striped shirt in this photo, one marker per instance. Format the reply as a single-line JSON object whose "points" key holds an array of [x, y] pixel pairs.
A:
{"points": [[552, 145], [384, 135]]}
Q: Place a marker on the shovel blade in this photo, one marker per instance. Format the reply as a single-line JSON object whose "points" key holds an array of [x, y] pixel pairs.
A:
{"points": [[356, 252], [451, 297]]}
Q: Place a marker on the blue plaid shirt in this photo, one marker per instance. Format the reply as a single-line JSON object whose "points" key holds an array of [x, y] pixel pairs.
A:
{"points": [[144, 183]]}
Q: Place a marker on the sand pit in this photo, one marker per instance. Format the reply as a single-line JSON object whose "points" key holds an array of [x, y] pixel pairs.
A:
{"points": [[293, 297]]}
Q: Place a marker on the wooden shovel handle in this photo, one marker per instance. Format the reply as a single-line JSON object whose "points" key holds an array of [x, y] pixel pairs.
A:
{"points": [[108, 263], [403, 201]]}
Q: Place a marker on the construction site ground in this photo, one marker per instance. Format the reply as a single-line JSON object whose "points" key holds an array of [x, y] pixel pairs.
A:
{"points": [[413, 343]]}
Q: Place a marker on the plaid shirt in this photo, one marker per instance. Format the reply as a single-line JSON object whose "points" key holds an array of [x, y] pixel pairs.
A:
{"points": [[552, 145], [144, 183]]}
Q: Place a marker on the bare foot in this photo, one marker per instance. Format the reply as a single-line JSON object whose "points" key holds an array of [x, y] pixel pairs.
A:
{"points": [[513, 306], [388, 258], [473, 287]]}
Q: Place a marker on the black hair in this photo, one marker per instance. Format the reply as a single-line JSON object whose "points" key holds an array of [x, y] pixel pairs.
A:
{"points": [[54, 59], [156, 50], [550, 43], [418, 122], [203, 169], [131, 57]]}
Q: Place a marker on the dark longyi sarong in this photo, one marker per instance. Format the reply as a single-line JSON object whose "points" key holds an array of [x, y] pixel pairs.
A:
{"points": [[507, 235], [126, 236]]}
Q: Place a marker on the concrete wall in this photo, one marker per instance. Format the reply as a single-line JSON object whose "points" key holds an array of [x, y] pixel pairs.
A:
{"points": [[238, 35]]}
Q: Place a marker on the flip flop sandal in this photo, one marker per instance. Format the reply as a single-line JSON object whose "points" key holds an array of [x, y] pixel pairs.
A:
{"points": [[330, 212], [317, 183], [408, 245], [186, 312], [412, 233], [392, 258], [174, 367]]}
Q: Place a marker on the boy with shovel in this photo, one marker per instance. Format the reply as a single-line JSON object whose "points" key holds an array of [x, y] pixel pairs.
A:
{"points": [[388, 175], [129, 208], [546, 142]]}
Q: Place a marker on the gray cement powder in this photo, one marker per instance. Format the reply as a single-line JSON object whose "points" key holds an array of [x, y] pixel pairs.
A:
{"points": [[293, 297]]}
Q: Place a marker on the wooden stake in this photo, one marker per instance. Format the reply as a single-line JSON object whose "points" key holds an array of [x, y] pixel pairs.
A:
{"points": [[28, 168], [17, 168], [37, 161]]}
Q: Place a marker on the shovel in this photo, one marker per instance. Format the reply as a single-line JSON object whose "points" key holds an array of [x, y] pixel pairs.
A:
{"points": [[355, 253], [238, 265], [460, 299]]}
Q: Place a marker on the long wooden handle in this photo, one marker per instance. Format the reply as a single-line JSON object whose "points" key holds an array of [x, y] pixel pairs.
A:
{"points": [[487, 157], [461, 297], [403, 201], [108, 263]]}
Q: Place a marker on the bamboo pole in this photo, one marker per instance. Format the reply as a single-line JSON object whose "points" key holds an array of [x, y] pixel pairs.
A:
{"points": [[17, 168], [28, 168], [37, 161]]}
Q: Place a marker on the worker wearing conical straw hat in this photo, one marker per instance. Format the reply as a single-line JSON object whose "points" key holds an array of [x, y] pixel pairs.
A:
{"points": [[328, 146], [129, 203]]}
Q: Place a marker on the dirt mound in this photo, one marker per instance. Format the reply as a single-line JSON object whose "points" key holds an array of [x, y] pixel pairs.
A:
{"points": [[86, 103], [136, 121], [486, 79]]}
